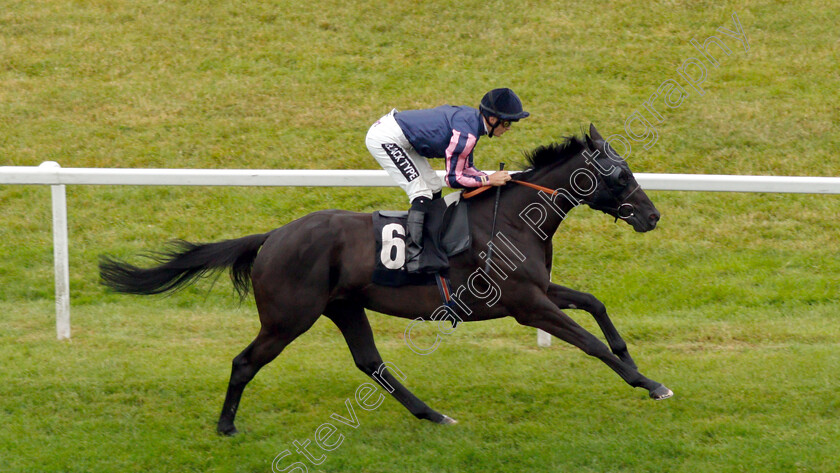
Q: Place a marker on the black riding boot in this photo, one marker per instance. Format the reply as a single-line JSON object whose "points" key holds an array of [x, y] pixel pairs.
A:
{"points": [[424, 225]]}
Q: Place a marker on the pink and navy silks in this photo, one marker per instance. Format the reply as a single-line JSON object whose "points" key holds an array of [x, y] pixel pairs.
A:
{"points": [[447, 132]]}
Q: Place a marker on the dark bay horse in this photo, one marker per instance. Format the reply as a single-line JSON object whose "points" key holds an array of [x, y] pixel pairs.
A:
{"points": [[321, 264]]}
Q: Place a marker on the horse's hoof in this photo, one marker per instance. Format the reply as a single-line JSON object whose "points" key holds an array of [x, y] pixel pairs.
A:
{"points": [[447, 420], [660, 393], [227, 431]]}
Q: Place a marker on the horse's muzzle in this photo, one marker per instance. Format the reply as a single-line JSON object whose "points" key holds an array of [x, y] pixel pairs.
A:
{"points": [[644, 221]]}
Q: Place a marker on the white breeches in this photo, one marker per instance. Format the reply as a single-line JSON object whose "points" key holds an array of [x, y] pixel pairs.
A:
{"points": [[389, 146]]}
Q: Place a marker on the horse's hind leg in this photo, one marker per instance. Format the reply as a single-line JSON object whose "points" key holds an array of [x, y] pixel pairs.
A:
{"points": [[566, 298], [353, 323], [272, 339], [261, 351]]}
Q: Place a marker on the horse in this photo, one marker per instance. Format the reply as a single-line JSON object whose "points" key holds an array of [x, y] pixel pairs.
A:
{"points": [[321, 264]]}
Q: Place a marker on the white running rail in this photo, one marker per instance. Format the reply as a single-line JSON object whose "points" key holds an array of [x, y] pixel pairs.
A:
{"points": [[51, 174]]}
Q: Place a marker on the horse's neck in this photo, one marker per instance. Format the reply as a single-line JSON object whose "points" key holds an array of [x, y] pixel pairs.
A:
{"points": [[544, 212]]}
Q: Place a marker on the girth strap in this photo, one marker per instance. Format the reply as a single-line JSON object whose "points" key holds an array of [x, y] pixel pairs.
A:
{"points": [[445, 288]]}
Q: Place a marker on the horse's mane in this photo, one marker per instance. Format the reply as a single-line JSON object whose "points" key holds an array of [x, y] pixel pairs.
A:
{"points": [[544, 157], [549, 155]]}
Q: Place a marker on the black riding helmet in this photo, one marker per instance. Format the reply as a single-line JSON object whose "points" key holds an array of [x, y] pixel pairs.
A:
{"points": [[502, 104]]}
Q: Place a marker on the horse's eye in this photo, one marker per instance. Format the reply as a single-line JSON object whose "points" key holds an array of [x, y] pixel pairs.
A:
{"points": [[623, 179]]}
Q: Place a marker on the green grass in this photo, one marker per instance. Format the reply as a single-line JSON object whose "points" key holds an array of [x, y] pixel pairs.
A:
{"points": [[732, 302], [139, 388]]}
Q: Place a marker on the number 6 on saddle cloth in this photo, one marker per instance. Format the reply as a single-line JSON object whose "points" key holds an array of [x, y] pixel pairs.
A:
{"points": [[389, 228]]}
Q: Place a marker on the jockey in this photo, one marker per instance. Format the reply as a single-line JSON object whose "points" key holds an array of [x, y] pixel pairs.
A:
{"points": [[401, 142]]}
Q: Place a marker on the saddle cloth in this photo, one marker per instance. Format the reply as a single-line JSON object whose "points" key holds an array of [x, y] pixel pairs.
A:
{"points": [[389, 231]]}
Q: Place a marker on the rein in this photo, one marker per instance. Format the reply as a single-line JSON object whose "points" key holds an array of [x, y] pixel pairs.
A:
{"points": [[538, 187], [552, 192]]}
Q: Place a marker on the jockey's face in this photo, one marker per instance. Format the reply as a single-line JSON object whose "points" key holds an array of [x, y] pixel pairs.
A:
{"points": [[499, 130]]}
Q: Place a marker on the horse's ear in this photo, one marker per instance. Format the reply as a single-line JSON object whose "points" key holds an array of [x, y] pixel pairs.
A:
{"points": [[589, 143], [594, 133]]}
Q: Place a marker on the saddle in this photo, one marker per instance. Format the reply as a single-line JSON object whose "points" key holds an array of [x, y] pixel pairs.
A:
{"points": [[389, 229]]}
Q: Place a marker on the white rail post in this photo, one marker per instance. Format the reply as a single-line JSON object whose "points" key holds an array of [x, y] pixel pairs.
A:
{"points": [[61, 257], [543, 338]]}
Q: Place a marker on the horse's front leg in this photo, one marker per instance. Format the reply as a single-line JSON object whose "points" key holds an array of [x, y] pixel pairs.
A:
{"points": [[543, 314], [566, 298]]}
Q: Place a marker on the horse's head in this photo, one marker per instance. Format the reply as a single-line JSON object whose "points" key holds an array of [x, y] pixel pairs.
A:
{"points": [[616, 191]]}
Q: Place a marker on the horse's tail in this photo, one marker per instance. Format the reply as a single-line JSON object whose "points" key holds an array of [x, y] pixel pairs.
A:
{"points": [[182, 264]]}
